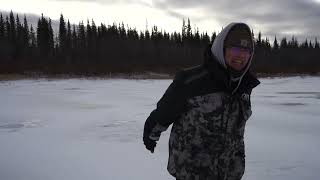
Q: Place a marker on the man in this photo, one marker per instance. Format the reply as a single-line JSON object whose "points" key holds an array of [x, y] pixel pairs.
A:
{"points": [[208, 106]]}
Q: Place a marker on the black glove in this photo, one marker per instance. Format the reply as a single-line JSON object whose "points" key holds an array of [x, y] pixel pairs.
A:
{"points": [[149, 143]]}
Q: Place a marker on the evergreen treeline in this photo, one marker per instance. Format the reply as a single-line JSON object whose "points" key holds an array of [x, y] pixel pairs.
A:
{"points": [[89, 49], [286, 56]]}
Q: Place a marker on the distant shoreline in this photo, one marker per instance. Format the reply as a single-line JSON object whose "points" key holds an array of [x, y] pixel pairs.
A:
{"points": [[137, 76]]}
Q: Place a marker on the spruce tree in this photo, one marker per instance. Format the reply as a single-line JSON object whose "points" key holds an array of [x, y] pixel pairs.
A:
{"points": [[316, 43], [267, 45], [32, 37], [50, 36], [122, 31], [69, 37], [283, 43], [197, 36], [89, 34], [19, 29], [310, 44], [305, 44], [259, 41], [183, 31], [154, 33], [94, 30], [74, 37], [147, 34], [141, 36], [62, 34], [12, 28], [40, 33], [206, 38], [19, 38], [44, 37], [81, 37], [275, 44], [213, 37], [189, 30], [7, 31], [1, 27], [295, 44], [18, 24], [25, 32]]}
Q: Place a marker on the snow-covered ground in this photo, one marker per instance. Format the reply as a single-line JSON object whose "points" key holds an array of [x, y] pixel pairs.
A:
{"points": [[92, 129]]}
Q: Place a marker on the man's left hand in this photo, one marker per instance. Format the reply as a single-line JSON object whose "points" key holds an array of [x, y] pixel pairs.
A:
{"points": [[149, 143]]}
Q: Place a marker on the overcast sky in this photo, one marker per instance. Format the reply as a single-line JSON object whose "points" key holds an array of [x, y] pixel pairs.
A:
{"points": [[271, 17]]}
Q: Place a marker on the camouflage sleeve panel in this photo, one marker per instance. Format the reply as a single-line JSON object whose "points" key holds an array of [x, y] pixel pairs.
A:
{"points": [[156, 132], [169, 108]]}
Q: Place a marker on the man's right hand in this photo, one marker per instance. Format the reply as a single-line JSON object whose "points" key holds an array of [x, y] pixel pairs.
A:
{"points": [[149, 143]]}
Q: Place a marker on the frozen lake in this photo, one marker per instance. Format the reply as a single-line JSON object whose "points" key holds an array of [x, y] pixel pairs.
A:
{"points": [[78, 129]]}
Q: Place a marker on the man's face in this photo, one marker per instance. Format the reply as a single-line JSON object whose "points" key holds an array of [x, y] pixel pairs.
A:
{"points": [[237, 57]]}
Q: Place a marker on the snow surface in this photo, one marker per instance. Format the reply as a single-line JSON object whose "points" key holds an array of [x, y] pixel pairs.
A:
{"points": [[79, 129]]}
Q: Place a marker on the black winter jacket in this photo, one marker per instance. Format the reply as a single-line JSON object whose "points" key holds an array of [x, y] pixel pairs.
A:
{"points": [[206, 139]]}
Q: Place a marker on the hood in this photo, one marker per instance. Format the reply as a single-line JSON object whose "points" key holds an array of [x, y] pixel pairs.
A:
{"points": [[218, 53]]}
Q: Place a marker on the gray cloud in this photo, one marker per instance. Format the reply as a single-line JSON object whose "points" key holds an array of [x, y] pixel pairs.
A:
{"points": [[104, 1], [111, 1], [168, 9], [273, 17]]}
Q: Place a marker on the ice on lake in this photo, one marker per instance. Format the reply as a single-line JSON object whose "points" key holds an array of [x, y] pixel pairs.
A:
{"points": [[92, 129]]}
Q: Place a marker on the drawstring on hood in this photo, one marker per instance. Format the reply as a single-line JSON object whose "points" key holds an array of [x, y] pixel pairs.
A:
{"points": [[217, 50]]}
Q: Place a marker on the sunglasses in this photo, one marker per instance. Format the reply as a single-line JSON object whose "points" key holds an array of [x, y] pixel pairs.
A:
{"points": [[236, 51]]}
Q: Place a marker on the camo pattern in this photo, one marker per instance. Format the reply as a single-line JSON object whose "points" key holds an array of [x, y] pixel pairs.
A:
{"points": [[207, 141]]}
